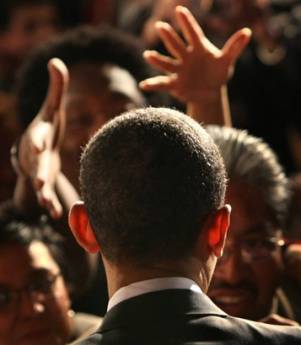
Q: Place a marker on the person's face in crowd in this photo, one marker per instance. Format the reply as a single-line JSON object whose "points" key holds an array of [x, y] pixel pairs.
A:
{"points": [[30, 26], [164, 11], [34, 302], [95, 95], [249, 271]]}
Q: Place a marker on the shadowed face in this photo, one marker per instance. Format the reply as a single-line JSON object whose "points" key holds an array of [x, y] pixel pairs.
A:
{"points": [[95, 95], [29, 26], [249, 272], [34, 301]]}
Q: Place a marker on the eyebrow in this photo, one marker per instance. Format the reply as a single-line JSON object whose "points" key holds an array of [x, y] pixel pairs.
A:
{"points": [[32, 274], [39, 271]]}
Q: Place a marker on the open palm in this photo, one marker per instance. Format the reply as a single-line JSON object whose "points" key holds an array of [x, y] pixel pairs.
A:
{"points": [[196, 67]]}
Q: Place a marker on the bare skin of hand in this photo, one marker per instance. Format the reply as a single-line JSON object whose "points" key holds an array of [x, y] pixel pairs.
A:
{"points": [[197, 68], [39, 157], [275, 319], [197, 71]]}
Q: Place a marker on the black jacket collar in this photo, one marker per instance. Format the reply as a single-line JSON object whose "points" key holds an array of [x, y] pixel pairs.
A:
{"points": [[160, 304]]}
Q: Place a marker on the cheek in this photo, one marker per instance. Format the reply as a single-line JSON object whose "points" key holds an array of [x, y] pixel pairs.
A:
{"points": [[62, 297], [268, 277], [74, 138], [78, 134], [6, 328], [59, 312]]}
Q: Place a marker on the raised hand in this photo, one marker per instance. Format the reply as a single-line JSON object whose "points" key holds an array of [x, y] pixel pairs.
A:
{"points": [[38, 155], [197, 70], [197, 67]]}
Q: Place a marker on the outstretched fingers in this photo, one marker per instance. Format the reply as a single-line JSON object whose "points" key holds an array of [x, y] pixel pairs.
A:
{"points": [[192, 32], [171, 40], [161, 62], [48, 199], [53, 107], [235, 45], [159, 83], [59, 77]]}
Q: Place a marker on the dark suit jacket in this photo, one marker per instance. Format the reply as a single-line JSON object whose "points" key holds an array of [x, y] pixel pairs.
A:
{"points": [[84, 325], [174, 317]]}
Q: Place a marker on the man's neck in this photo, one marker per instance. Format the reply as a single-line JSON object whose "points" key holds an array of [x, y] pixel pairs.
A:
{"points": [[152, 285], [119, 276]]}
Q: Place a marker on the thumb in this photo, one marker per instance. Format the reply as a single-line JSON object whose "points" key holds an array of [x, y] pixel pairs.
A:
{"points": [[58, 82]]}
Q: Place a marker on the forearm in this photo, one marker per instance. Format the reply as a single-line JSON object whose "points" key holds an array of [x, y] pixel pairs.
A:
{"points": [[211, 109], [66, 192]]}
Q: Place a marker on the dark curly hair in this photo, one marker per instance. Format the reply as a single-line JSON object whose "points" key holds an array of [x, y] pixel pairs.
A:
{"points": [[20, 229], [84, 44]]}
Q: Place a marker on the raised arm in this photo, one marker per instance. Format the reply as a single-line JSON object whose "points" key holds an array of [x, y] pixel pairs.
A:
{"points": [[37, 157], [197, 71]]}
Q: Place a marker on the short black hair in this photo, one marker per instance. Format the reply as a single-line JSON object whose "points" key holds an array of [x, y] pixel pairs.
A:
{"points": [[149, 178], [253, 161], [82, 45], [16, 228]]}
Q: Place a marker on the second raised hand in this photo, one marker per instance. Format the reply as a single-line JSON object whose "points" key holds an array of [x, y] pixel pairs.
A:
{"points": [[39, 147], [196, 68]]}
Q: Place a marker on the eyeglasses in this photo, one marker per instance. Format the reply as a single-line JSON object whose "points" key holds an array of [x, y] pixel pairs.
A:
{"points": [[39, 289], [252, 249]]}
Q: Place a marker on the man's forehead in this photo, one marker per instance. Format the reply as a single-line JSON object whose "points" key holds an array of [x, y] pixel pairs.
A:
{"points": [[250, 212], [35, 251], [112, 78], [121, 81], [25, 260], [41, 256]]}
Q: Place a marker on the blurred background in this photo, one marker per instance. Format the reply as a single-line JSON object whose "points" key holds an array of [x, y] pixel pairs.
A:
{"points": [[265, 91]]}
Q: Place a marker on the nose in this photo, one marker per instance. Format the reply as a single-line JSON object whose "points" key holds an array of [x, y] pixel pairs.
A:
{"points": [[233, 270], [30, 305]]}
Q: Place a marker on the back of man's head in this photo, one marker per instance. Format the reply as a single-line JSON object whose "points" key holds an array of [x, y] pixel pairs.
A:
{"points": [[149, 178]]}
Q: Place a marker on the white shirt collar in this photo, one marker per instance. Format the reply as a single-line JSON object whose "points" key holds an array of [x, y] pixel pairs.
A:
{"points": [[152, 285]]}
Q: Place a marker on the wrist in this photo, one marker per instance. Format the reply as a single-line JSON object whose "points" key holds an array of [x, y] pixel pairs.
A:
{"points": [[206, 96], [213, 109]]}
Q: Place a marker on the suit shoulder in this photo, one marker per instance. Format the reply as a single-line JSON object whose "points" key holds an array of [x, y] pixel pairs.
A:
{"points": [[210, 329], [261, 333]]}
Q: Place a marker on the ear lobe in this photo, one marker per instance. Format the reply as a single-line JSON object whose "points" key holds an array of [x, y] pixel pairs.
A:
{"points": [[81, 228], [217, 230]]}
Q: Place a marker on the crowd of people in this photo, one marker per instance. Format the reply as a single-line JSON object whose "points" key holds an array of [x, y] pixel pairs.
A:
{"points": [[150, 172]]}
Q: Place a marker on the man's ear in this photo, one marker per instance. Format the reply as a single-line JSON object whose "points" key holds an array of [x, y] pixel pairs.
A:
{"points": [[217, 228], [81, 228]]}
